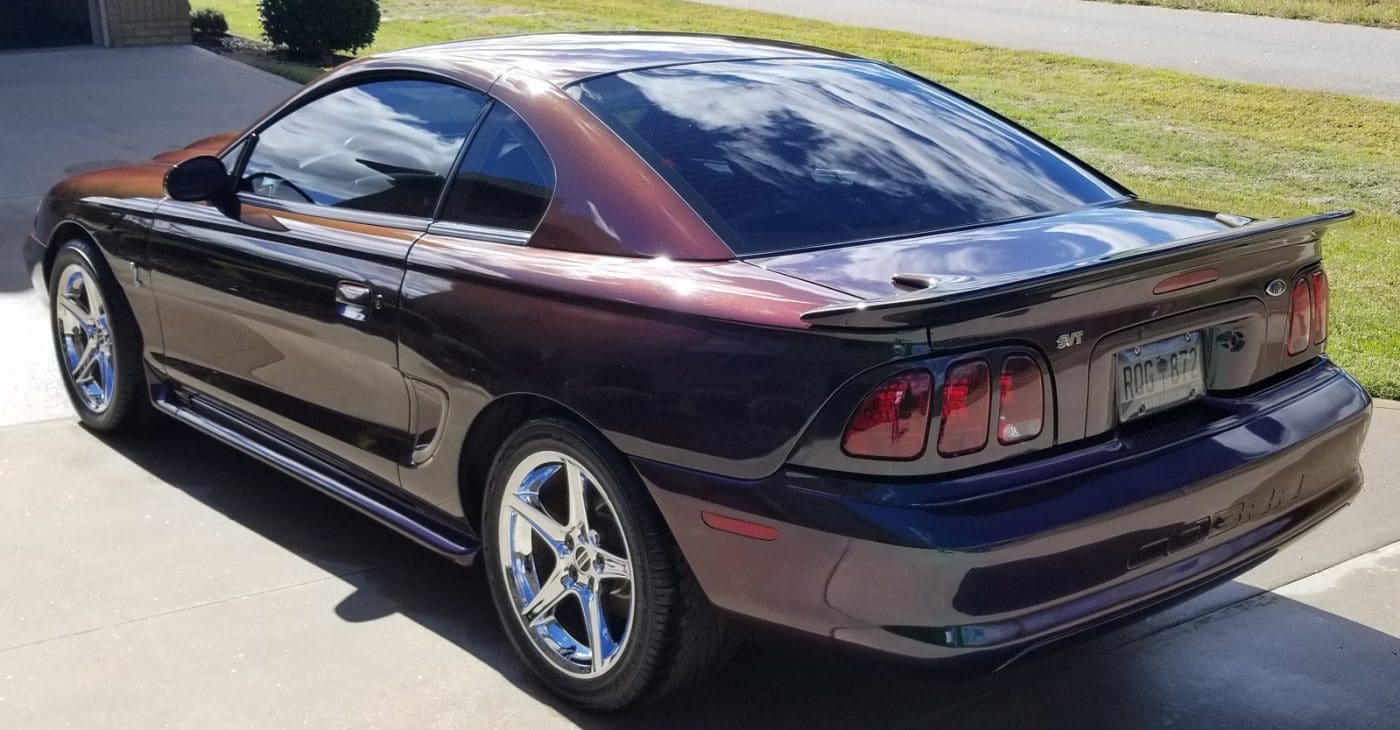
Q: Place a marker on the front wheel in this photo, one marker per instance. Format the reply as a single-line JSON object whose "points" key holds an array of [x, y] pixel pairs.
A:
{"points": [[95, 338], [589, 585]]}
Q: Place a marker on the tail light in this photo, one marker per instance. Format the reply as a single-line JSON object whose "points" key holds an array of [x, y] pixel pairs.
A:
{"points": [[1300, 316], [966, 409], [891, 422], [1021, 409], [1319, 294]]}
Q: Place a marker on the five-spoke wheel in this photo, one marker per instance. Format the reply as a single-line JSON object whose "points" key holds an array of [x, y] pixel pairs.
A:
{"points": [[589, 584], [96, 338], [85, 337], [565, 558]]}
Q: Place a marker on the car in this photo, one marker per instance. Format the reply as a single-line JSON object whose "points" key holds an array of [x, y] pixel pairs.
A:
{"points": [[682, 335]]}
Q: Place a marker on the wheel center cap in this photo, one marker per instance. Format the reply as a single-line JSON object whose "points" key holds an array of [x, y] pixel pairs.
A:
{"points": [[583, 558]]}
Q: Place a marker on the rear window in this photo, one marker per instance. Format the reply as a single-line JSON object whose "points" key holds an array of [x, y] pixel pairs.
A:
{"points": [[783, 155]]}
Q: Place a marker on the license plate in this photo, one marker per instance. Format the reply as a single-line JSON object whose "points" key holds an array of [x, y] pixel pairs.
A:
{"points": [[1159, 375]]}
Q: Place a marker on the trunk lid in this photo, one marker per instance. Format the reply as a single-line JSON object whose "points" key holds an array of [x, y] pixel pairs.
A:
{"points": [[987, 255], [1082, 287]]}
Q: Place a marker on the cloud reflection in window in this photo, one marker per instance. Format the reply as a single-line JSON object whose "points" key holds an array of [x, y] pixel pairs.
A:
{"points": [[383, 146], [789, 154]]}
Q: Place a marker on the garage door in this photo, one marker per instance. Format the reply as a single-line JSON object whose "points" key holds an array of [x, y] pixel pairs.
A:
{"points": [[37, 23]]}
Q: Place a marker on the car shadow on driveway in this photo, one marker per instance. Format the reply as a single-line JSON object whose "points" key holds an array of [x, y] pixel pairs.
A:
{"points": [[1266, 660]]}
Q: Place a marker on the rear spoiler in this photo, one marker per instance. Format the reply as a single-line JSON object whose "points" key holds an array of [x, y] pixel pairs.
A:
{"points": [[950, 296]]}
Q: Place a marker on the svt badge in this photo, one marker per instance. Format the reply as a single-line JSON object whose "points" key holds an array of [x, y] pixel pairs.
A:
{"points": [[1069, 339]]}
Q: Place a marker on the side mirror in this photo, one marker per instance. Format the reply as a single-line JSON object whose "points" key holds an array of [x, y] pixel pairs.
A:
{"points": [[198, 178]]}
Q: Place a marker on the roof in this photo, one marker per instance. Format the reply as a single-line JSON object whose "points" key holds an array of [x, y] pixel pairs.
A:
{"points": [[563, 58]]}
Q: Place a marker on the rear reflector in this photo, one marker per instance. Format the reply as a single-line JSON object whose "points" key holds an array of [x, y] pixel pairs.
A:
{"points": [[1300, 315], [891, 422], [739, 527], [1021, 412], [1320, 295], [966, 409]]}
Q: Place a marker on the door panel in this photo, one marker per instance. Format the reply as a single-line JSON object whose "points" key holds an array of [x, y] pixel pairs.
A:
{"points": [[251, 314], [286, 304]]}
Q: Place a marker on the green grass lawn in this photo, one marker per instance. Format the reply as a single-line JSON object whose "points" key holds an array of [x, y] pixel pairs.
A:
{"points": [[1220, 145], [1378, 13]]}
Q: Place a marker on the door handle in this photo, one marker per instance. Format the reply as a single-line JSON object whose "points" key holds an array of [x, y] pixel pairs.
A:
{"points": [[349, 292], [355, 300]]}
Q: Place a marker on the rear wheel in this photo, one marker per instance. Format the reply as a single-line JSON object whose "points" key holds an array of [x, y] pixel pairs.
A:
{"points": [[588, 583], [95, 338]]}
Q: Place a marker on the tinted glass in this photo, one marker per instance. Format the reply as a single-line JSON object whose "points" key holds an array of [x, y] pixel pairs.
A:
{"points": [[231, 157], [385, 146], [506, 178], [789, 154]]}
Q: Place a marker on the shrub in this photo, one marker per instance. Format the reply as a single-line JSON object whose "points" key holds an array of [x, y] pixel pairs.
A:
{"points": [[313, 29], [208, 22]]}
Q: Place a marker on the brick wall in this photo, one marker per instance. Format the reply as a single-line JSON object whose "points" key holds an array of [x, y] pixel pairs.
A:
{"points": [[143, 22]]}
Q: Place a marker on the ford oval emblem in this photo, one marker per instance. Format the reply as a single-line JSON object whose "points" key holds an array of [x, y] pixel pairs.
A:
{"points": [[1276, 288]]}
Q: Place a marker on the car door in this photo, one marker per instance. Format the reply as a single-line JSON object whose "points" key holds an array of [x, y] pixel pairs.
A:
{"points": [[285, 305]]}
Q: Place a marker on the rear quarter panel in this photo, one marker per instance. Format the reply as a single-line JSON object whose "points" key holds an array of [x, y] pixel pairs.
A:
{"points": [[701, 365]]}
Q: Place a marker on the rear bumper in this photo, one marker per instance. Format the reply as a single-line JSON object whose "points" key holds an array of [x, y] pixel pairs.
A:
{"points": [[1040, 550]]}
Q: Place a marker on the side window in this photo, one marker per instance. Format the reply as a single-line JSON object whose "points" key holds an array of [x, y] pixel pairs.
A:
{"points": [[383, 146], [506, 178], [233, 154]]}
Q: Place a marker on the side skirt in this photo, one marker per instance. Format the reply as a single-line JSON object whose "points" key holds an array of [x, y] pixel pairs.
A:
{"points": [[365, 493]]}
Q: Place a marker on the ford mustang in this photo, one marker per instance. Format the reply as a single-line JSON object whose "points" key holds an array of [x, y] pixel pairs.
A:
{"points": [[676, 330]]}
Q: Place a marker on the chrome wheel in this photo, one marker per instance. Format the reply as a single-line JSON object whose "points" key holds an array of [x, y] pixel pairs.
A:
{"points": [[85, 338], [566, 563]]}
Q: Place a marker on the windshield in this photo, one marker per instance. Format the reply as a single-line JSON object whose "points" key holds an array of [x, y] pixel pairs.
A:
{"points": [[784, 154]]}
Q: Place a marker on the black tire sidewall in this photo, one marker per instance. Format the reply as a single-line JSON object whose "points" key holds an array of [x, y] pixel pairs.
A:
{"points": [[624, 683]]}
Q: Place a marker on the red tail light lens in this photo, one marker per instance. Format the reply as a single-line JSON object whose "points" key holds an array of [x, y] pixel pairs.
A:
{"points": [[1319, 295], [1021, 413], [967, 407], [1300, 316], [891, 422]]}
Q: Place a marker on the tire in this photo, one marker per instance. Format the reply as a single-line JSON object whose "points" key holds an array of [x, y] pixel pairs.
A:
{"points": [[87, 307], [662, 633]]}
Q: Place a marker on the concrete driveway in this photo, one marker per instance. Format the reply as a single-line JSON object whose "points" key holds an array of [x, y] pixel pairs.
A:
{"points": [[71, 110], [165, 580], [1296, 53]]}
